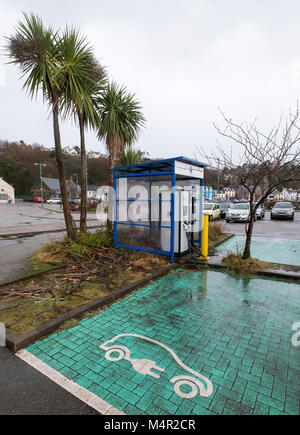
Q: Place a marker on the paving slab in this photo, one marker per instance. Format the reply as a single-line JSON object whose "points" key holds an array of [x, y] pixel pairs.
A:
{"points": [[283, 251], [200, 342]]}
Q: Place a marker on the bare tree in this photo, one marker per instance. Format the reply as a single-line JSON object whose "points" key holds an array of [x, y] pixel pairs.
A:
{"points": [[266, 161]]}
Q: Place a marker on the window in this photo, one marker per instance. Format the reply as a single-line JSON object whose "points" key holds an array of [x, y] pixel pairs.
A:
{"points": [[240, 206]]}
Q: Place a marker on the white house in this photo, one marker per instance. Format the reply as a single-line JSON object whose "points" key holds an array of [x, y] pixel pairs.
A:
{"points": [[7, 192], [91, 193], [291, 195], [97, 193], [276, 196]]}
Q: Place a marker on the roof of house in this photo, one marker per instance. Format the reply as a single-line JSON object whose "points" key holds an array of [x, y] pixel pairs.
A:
{"points": [[3, 183], [51, 183]]}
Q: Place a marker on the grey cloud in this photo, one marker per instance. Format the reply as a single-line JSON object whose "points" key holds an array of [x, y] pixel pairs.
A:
{"points": [[181, 58]]}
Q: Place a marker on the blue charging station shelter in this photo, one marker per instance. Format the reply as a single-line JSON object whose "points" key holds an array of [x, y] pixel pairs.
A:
{"points": [[158, 206]]}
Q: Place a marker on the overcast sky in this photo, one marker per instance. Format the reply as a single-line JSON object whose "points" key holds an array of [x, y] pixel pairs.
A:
{"points": [[182, 59]]}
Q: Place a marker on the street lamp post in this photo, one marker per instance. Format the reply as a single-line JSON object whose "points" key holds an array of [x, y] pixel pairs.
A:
{"points": [[76, 175], [41, 179], [77, 182]]}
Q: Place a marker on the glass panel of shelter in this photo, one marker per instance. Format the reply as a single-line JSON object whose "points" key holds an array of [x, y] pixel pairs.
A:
{"points": [[144, 210]]}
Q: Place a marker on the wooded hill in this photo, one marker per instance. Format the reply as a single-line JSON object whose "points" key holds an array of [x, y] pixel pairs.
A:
{"points": [[17, 166]]}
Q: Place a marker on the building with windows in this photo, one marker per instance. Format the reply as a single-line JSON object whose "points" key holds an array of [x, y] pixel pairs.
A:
{"points": [[209, 193], [7, 193], [291, 195], [51, 188]]}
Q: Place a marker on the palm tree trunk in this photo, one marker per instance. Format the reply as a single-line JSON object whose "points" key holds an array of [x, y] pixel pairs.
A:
{"points": [[71, 231], [83, 209], [111, 165]]}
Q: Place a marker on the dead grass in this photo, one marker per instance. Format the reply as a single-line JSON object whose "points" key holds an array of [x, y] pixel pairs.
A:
{"points": [[52, 295], [215, 233], [250, 266]]}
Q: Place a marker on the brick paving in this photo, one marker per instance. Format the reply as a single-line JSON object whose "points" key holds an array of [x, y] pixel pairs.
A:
{"points": [[283, 251], [234, 331]]}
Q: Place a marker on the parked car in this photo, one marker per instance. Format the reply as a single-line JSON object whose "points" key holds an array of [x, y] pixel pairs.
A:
{"points": [[37, 199], [212, 210], [224, 207], [260, 212], [283, 210], [54, 201], [238, 212]]}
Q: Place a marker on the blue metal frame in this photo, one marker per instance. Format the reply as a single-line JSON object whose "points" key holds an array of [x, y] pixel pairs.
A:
{"points": [[165, 161], [133, 248], [201, 211], [144, 174], [142, 225], [143, 200], [173, 213], [169, 170], [115, 209]]}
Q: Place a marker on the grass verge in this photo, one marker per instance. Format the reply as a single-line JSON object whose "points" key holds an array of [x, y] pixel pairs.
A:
{"points": [[93, 270], [250, 266]]}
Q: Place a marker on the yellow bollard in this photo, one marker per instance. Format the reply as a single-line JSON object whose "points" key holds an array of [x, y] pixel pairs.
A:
{"points": [[204, 249]]}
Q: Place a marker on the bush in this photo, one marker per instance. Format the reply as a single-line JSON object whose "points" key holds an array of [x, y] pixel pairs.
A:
{"points": [[216, 230], [68, 249], [240, 266], [99, 238]]}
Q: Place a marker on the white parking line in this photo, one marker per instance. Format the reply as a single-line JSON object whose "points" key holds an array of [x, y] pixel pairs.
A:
{"points": [[76, 390]]}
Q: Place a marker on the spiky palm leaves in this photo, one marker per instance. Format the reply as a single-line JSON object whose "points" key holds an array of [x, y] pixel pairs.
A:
{"points": [[120, 120], [34, 48], [63, 67], [131, 156], [85, 78]]}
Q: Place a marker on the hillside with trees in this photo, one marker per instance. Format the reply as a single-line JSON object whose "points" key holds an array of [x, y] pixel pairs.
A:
{"points": [[18, 166]]}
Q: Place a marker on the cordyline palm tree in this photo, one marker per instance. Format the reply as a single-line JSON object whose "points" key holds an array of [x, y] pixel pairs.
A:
{"points": [[35, 49], [86, 79], [131, 156], [120, 121]]}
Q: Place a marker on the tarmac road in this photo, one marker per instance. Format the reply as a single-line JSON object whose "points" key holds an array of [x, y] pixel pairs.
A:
{"points": [[15, 252], [279, 229], [24, 390], [22, 218], [25, 219]]}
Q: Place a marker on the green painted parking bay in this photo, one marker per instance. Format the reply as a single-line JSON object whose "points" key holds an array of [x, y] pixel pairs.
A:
{"points": [[190, 343], [265, 249]]}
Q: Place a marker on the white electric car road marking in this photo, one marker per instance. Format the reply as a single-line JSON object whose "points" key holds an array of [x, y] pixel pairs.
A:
{"points": [[146, 367]]}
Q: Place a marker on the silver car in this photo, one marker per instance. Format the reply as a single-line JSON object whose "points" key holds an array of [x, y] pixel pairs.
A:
{"points": [[283, 210], [260, 212], [238, 212]]}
